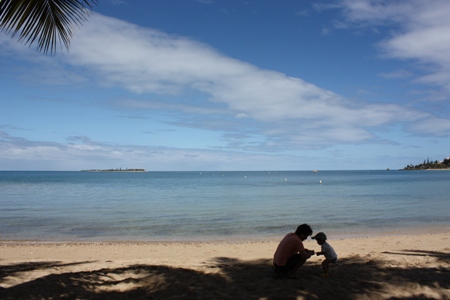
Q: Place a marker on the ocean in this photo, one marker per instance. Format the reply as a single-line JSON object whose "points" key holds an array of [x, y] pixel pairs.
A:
{"points": [[219, 206]]}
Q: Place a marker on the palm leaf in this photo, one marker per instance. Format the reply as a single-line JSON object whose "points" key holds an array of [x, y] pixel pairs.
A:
{"points": [[48, 21]]}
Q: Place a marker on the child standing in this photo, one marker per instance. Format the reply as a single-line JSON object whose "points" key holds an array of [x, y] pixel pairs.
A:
{"points": [[327, 251]]}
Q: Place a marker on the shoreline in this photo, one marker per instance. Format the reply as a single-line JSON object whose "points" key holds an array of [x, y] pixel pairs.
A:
{"points": [[215, 242], [410, 231]]}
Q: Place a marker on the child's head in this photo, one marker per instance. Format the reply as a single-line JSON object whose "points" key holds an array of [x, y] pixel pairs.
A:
{"points": [[320, 238], [320, 242]]}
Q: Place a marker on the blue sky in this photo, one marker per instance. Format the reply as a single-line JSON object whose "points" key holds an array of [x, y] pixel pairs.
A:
{"points": [[192, 85]]}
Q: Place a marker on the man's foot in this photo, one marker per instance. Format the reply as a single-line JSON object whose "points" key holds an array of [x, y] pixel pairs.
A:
{"points": [[324, 275], [295, 277]]}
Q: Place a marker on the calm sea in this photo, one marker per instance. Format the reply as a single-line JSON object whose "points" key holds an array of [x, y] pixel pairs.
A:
{"points": [[188, 206]]}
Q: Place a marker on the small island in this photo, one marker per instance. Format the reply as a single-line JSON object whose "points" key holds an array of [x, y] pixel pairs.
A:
{"points": [[430, 165], [114, 170]]}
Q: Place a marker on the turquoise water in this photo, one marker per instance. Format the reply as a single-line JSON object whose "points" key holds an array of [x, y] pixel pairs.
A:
{"points": [[166, 206]]}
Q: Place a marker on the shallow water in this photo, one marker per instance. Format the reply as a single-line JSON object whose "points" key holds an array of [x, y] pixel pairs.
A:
{"points": [[83, 206]]}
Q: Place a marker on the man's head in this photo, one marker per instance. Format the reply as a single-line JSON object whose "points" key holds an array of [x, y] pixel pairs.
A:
{"points": [[303, 231]]}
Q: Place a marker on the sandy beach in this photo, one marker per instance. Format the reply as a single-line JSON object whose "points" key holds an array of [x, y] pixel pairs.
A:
{"points": [[385, 267]]}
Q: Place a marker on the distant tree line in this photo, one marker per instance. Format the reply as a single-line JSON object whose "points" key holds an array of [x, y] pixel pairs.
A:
{"points": [[445, 164], [114, 170]]}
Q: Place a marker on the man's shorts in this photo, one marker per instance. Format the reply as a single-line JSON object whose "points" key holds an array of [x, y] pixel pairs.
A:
{"points": [[290, 264]]}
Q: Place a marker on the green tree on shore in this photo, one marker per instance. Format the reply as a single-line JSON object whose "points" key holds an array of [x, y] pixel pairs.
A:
{"points": [[445, 164], [50, 22]]}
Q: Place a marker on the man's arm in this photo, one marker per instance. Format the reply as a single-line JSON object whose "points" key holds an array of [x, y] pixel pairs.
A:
{"points": [[305, 254]]}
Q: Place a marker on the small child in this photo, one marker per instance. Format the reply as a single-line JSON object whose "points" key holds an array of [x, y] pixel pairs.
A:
{"points": [[327, 251]]}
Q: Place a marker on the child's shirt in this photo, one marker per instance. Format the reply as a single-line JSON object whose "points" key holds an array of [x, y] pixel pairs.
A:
{"points": [[328, 251]]}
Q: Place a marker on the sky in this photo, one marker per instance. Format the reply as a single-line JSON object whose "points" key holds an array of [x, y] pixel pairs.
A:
{"points": [[215, 85]]}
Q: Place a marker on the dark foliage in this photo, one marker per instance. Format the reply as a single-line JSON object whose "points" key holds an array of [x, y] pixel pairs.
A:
{"points": [[48, 21]]}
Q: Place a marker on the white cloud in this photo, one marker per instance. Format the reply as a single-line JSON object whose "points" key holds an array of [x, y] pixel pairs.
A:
{"points": [[147, 61], [423, 32], [432, 126]]}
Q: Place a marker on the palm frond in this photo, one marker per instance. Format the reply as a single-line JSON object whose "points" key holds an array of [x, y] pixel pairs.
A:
{"points": [[48, 21]]}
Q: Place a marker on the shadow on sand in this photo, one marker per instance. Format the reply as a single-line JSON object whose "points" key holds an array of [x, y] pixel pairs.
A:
{"points": [[230, 278]]}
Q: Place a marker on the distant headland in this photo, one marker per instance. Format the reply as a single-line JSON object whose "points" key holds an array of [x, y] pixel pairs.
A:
{"points": [[430, 165], [114, 170]]}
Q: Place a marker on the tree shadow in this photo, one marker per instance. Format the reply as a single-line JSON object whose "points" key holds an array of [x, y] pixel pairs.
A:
{"points": [[442, 256], [231, 278], [11, 270]]}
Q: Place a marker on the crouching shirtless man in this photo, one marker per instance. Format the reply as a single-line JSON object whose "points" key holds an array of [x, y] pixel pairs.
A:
{"points": [[291, 254]]}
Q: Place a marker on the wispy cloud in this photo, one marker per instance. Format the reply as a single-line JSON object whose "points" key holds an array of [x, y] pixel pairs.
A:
{"points": [[397, 74], [84, 153], [302, 13], [147, 61], [422, 32]]}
